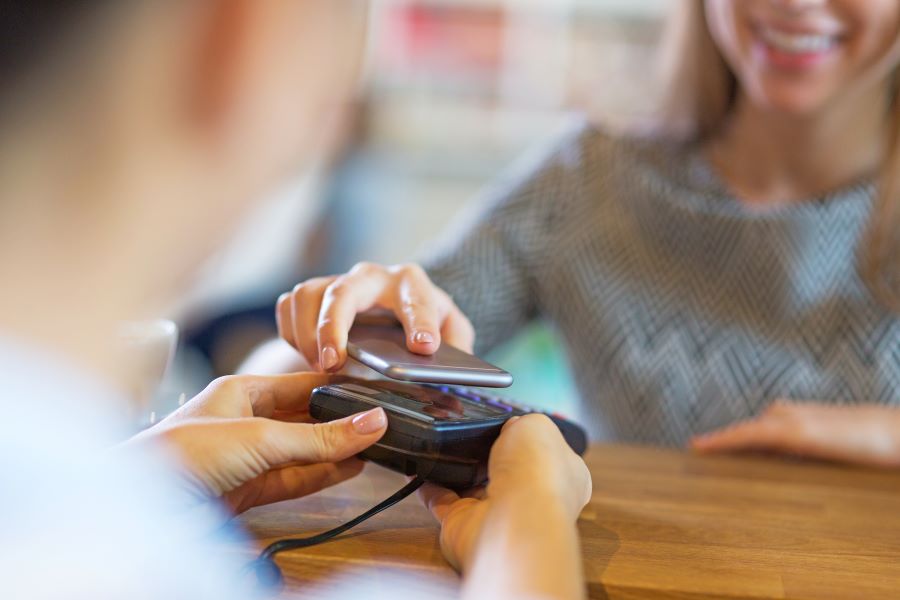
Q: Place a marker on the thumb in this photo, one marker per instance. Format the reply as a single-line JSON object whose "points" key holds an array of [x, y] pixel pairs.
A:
{"points": [[282, 442]]}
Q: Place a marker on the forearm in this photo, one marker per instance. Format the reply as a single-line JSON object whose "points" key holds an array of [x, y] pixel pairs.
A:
{"points": [[528, 548]]}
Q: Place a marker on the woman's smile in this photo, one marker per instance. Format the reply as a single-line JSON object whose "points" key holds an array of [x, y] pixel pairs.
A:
{"points": [[796, 48], [798, 58]]}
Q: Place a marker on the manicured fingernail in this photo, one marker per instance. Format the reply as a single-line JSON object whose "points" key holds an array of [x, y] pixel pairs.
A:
{"points": [[370, 421], [423, 337], [329, 358]]}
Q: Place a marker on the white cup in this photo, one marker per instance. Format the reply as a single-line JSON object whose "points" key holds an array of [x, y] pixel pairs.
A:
{"points": [[149, 348]]}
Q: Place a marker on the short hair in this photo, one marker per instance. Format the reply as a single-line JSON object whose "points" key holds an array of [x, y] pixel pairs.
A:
{"points": [[32, 30]]}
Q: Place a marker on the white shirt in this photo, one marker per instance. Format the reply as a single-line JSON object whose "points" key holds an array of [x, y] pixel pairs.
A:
{"points": [[81, 520]]}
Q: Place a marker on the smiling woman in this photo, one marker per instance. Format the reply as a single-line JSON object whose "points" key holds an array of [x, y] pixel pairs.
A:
{"points": [[830, 65], [741, 251]]}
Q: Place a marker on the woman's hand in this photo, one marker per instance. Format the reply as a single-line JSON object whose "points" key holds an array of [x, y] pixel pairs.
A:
{"points": [[250, 440], [866, 435], [517, 537], [316, 316]]}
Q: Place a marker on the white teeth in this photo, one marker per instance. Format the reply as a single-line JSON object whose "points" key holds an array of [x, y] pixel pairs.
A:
{"points": [[797, 43]]}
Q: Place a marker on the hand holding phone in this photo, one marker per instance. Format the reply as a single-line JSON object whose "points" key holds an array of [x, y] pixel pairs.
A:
{"points": [[316, 316]]}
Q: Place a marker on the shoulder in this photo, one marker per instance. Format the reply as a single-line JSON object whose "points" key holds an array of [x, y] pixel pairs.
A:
{"points": [[566, 179], [583, 164]]}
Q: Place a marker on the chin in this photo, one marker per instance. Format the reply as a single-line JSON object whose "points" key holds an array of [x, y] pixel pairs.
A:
{"points": [[793, 101]]}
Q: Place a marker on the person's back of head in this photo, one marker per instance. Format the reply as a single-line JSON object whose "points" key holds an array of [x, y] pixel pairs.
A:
{"points": [[134, 134]]}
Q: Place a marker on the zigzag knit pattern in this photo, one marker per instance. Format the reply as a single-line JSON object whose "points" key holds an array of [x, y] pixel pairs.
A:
{"points": [[681, 309]]}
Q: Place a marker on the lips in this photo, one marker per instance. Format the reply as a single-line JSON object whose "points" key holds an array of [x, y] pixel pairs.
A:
{"points": [[795, 49], [798, 43]]}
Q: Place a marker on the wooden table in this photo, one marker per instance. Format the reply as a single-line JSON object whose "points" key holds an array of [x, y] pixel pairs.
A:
{"points": [[661, 524]]}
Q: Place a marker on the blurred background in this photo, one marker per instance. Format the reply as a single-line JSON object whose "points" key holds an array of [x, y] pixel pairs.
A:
{"points": [[454, 91]]}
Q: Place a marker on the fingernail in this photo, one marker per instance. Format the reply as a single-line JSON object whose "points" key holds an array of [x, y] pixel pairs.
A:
{"points": [[509, 422], [370, 421], [423, 337], [329, 358]]}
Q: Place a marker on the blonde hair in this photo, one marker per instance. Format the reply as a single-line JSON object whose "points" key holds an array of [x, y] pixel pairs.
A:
{"points": [[698, 95]]}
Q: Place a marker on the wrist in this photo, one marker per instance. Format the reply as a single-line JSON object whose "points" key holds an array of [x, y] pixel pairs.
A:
{"points": [[528, 547], [540, 495]]}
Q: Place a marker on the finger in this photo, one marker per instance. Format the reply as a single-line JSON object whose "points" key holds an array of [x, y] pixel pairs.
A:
{"points": [[277, 442], [255, 395], [306, 302], [457, 330], [756, 434], [831, 433], [236, 396], [283, 319], [438, 500], [419, 309], [280, 393], [287, 483], [293, 405], [774, 435], [509, 424], [763, 432], [347, 296]]}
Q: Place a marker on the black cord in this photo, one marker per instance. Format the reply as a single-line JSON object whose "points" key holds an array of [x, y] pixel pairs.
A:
{"points": [[267, 572]]}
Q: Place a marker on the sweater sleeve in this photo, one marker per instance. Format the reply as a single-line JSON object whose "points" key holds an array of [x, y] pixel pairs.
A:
{"points": [[491, 261]]}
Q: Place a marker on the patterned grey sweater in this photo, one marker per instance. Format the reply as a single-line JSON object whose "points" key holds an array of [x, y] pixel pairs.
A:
{"points": [[681, 308]]}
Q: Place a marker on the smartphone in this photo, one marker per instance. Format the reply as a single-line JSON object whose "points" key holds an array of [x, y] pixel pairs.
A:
{"points": [[379, 343]]}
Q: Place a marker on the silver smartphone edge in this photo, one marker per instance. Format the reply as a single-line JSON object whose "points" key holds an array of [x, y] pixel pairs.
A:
{"points": [[421, 374]]}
